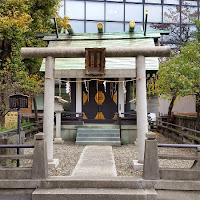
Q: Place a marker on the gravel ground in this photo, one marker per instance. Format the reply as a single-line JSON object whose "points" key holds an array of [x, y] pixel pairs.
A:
{"points": [[164, 163], [68, 153]]}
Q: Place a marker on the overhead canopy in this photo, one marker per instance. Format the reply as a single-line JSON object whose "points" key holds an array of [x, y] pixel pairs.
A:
{"points": [[114, 67]]}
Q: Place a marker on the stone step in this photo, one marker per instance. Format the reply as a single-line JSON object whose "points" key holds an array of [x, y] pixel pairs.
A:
{"points": [[80, 134], [94, 136], [98, 139], [93, 194], [110, 143], [97, 131], [179, 174], [106, 182], [99, 126], [15, 173]]}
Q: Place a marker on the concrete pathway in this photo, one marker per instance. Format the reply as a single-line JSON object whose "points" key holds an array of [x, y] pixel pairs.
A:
{"points": [[96, 161]]}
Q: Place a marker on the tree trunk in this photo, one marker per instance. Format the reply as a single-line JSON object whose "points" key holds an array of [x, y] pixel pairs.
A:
{"points": [[35, 108], [171, 105], [5, 52], [2, 109], [198, 110]]}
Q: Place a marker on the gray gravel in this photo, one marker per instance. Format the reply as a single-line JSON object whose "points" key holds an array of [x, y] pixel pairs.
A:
{"points": [[166, 163], [68, 153]]}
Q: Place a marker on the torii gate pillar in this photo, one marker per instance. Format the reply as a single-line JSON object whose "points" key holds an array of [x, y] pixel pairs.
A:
{"points": [[141, 107], [48, 121]]}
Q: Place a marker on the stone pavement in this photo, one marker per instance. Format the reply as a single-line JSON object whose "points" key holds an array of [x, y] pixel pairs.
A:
{"points": [[96, 161]]}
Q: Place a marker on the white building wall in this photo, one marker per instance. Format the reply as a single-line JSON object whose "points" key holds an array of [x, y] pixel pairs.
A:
{"points": [[182, 104], [152, 105]]}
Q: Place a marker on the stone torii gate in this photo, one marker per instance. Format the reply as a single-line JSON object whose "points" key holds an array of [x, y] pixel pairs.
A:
{"points": [[139, 52]]}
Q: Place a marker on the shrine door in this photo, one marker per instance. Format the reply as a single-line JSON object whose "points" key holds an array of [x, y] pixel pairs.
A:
{"points": [[99, 100]]}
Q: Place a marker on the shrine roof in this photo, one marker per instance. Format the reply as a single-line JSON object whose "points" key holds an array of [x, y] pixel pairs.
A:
{"points": [[103, 41], [105, 36]]}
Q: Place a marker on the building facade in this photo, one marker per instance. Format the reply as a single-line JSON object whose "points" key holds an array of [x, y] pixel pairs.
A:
{"points": [[175, 15]]}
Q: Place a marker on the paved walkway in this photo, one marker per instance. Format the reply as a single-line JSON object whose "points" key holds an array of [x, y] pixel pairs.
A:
{"points": [[96, 161]]}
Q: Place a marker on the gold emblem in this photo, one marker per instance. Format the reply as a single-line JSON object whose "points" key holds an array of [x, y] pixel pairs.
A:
{"points": [[115, 116], [99, 97], [99, 116], [84, 98], [84, 116], [115, 98]]}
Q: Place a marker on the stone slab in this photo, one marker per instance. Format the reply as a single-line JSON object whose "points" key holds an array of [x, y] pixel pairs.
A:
{"points": [[177, 195], [16, 194], [137, 165], [96, 161], [93, 194], [15, 173], [177, 185], [58, 141], [179, 174], [53, 163]]}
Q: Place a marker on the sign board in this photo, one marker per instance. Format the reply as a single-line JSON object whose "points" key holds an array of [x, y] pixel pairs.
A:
{"points": [[11, 120], [95, 61], [18, 101]]}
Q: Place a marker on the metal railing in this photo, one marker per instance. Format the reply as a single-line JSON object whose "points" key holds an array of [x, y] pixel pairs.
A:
{"points": [[151, 168], [18, 147], [68, 115], [39, 169], [179, 145], [126, 116], [22, 128]]}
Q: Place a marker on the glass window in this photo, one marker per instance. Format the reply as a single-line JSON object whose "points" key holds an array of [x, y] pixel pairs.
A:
{"points": [[61, 10], [114, 27], [188, 13], [194, 3], [152, 1], [91, 27], [135, 1], [75, 9], [77, 26], [192, 29], [94, 10], [171, 14], [114, 12], [134, 12], [154, 13], [176, 2], [115, 0], [150, 27]]}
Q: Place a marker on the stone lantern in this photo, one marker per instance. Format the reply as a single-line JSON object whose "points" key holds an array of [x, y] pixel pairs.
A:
{"points": [[58, 108]]}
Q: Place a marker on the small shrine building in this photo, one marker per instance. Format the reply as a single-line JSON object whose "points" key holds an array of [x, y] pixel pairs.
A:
{"points": [[108, 88]]}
